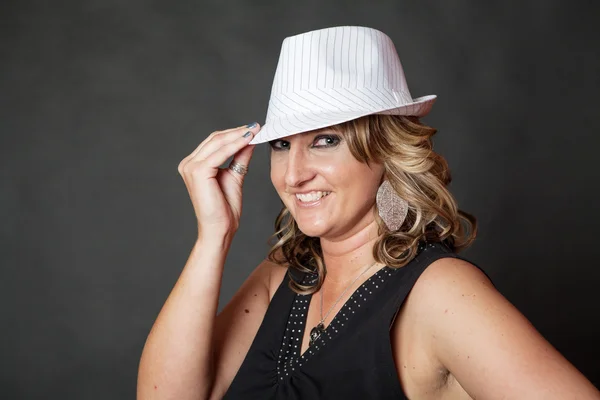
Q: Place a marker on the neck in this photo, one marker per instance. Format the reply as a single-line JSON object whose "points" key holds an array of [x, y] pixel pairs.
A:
{"points": [[349, 256]]}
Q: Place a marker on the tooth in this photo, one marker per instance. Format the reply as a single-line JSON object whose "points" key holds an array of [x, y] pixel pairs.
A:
{"points": [[312, 196]]}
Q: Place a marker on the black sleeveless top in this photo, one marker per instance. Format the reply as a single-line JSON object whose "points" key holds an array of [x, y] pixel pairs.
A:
{"points": [[352, 359]]}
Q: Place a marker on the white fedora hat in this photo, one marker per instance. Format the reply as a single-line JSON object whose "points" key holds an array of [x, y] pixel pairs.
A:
{"points": [[333, 75]]}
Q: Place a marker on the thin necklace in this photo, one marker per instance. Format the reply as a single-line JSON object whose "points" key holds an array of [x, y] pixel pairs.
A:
{"points": [[320, 327]]}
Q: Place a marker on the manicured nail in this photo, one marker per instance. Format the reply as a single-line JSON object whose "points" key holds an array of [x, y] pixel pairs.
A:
{"points": [[252, 125], [247, 134]]}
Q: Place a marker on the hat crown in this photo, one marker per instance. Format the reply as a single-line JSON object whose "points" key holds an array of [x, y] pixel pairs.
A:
{"points": [[329, 76], [347, 57]]}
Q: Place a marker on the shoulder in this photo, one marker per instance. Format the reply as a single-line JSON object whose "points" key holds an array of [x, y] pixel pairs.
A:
{"points": [[260, 286], [442, 276], [476, 334], [268, 274], [448, 278], [276, 274], [437, 272], [272, 273], [452, 291], [445, 285]]}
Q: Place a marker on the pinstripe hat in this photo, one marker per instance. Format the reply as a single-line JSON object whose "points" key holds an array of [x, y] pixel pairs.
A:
{"points": [[333, 75]]}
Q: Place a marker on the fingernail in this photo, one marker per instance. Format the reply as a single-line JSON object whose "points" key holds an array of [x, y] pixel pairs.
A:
{"points": [[252, 125], [247, 134]]}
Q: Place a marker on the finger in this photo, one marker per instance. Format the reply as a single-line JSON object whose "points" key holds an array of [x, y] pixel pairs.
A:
{"points": [[216, 133], [209, 138], [219, 142], [242, 158], [218, 157], [244, 155]]}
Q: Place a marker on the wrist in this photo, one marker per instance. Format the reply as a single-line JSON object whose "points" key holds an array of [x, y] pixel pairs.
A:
{"points": [[220, 242]]}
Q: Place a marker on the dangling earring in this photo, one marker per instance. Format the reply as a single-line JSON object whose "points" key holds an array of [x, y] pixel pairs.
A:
{"points": [[392, 208]]}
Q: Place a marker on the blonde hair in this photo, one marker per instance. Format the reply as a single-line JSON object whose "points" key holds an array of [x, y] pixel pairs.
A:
{"points": [[417, 173]]}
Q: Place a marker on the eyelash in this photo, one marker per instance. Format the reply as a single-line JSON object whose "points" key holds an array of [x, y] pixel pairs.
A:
{"points": [[276, 145]]}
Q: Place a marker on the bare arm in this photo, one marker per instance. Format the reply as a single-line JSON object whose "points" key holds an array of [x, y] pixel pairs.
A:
{"points": [[177, 358], [180, 360], [191, 355], [487, 344]]}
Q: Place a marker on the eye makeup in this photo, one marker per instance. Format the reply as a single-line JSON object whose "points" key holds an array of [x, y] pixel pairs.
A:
{"points": [[326, 140], [320, 141], [279, 145]]}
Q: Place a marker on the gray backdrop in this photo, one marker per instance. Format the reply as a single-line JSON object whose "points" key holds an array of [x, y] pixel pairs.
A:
{"points": [[101, 99]]}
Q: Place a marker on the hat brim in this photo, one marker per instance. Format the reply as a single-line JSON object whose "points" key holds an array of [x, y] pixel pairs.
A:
{"points": [[278, 128]]}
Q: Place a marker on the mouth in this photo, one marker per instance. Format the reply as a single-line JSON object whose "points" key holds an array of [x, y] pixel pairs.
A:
{"points": [[311, 199]]}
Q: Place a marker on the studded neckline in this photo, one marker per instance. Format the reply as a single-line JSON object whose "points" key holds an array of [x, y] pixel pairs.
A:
{"points": [[289, 357]]}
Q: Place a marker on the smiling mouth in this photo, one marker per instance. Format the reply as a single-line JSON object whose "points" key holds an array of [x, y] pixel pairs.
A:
{"points": [[311, 197]]}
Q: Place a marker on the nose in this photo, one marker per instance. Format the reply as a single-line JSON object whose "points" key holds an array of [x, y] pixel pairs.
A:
{"points": [[298, 169]]}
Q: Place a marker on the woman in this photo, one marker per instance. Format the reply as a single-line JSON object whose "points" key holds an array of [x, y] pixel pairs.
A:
{"points": [[368, 231]]}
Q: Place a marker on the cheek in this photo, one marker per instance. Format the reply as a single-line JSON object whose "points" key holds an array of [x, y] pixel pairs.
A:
{"points": [[343, 169], [278, 179], [276, 171], [359, 181], [336, 167]]}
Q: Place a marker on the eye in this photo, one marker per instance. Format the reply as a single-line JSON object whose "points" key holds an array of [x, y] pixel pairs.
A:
{"points": [[279, 144], [326, 141]]}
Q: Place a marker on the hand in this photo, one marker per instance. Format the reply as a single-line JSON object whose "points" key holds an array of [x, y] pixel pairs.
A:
{"points": [[216, 193]]}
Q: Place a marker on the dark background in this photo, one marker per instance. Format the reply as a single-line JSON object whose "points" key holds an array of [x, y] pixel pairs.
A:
{"points": [[100, 100]]}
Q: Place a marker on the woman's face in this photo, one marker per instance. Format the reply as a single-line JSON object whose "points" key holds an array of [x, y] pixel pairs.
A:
{"points": [[329, 193]]}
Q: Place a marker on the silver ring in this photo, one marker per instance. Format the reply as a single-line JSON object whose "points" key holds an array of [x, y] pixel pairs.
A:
{"points": [[238, 168]]}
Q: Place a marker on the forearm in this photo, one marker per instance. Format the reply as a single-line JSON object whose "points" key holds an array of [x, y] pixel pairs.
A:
{"points": [[177, 359]]}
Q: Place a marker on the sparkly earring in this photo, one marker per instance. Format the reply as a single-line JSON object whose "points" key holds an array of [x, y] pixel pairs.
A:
{"points": [[392, 208]]}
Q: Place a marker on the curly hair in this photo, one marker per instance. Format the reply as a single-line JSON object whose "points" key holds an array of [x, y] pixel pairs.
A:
{"points": [[418, 174]]}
